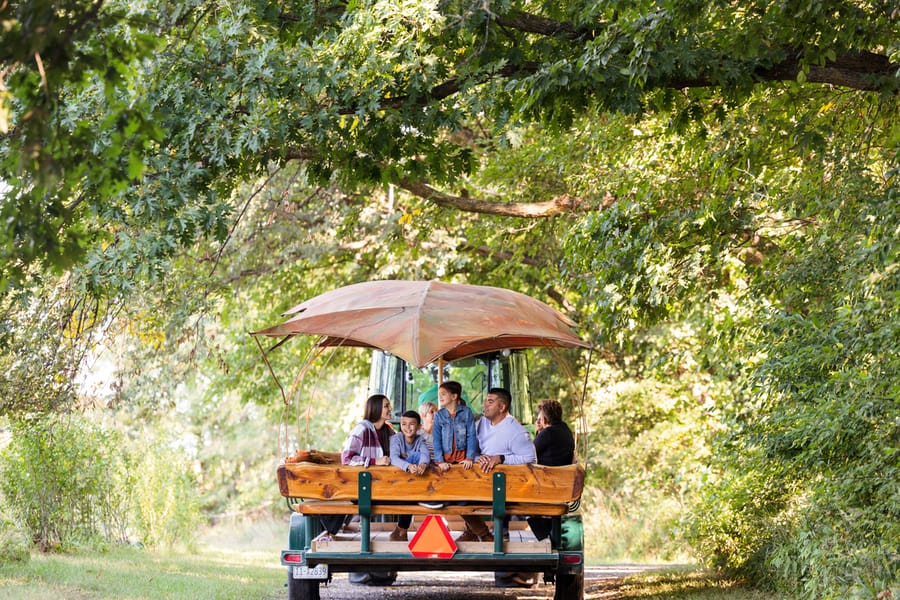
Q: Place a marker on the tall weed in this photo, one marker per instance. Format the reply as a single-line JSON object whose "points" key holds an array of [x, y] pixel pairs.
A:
{"points": [[165, 498]]}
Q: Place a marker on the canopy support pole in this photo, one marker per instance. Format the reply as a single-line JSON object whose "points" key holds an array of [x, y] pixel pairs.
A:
{"points": [[269, 366], [587, 373]]}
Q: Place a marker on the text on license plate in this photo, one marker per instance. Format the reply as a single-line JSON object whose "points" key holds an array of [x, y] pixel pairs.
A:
{"points": [[319, 571]]}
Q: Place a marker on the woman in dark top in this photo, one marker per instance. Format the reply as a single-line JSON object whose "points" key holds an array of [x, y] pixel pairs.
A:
{"points": [[555, 447], [554, 443]]}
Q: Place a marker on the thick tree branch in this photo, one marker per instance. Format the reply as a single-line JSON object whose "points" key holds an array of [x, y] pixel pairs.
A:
{"points": [[861, 70], [857, 70], [864, 71], [529, 23], [530, 210]]}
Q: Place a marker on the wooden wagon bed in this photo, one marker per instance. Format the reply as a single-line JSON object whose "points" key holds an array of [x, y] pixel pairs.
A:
{"points": [[524, 484], [334, 489]]}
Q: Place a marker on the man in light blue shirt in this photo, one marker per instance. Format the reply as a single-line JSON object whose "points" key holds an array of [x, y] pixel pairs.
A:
{"points": [[502, 440]]}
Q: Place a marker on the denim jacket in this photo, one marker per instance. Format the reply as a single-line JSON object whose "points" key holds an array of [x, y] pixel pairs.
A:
{"points": [[461, 426]]}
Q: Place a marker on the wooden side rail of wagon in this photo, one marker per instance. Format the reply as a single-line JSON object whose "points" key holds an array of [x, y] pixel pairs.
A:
{"points": [[322, 489]]}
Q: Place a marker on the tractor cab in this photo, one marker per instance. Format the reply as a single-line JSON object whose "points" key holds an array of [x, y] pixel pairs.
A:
{"points": [[408, 387]]}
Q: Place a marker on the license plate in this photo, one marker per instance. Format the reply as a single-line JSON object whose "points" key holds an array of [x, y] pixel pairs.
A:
{"points": [[319, 571]]}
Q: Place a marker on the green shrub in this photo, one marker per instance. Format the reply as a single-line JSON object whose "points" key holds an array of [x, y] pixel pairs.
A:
{"points": [[806, 493], [14, 543], [77, 484], [61, 471]]}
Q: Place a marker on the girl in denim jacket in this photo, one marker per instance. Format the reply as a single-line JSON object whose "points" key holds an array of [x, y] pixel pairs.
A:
{"points": [[454, 429]]}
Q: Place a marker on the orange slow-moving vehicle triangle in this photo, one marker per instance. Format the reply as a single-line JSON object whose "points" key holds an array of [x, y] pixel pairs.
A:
{"points": [[433, 539]]}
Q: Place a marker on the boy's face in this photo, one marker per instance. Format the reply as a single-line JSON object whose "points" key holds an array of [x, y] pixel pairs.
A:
{"points": [[409, 427]]}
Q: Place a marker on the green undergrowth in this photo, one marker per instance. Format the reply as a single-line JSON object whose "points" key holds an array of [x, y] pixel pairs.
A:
{"points": [[14, 542]]}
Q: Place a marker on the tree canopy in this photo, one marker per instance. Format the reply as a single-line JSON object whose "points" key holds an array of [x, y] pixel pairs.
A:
{"points": [[126, 127]]}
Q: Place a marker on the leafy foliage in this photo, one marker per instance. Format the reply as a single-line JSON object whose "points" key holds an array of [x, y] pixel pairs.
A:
{"points": [[165, 502], [793, 263], [74, 121], [43, 340], [823, 428], [78, 484], [61, 473], [128, 144]]}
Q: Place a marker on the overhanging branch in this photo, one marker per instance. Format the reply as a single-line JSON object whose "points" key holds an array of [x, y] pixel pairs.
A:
{"points": [[562, 204], [864, 71], [529, 23], [529, 210]]}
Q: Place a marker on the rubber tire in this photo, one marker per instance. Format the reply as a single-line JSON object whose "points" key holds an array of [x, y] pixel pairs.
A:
{"points": [[569, 586], [302, 589]]}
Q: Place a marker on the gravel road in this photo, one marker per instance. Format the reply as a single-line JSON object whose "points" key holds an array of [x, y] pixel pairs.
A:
{"points": [[447, 585]]}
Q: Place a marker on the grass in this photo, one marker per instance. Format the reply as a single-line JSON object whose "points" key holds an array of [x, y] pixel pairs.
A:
{"points": [[681, 584], [127, 573], [238, 562], [619, 529]]}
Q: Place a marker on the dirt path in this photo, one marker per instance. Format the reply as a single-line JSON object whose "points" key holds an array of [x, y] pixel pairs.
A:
{"points": [[601, 582]]}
